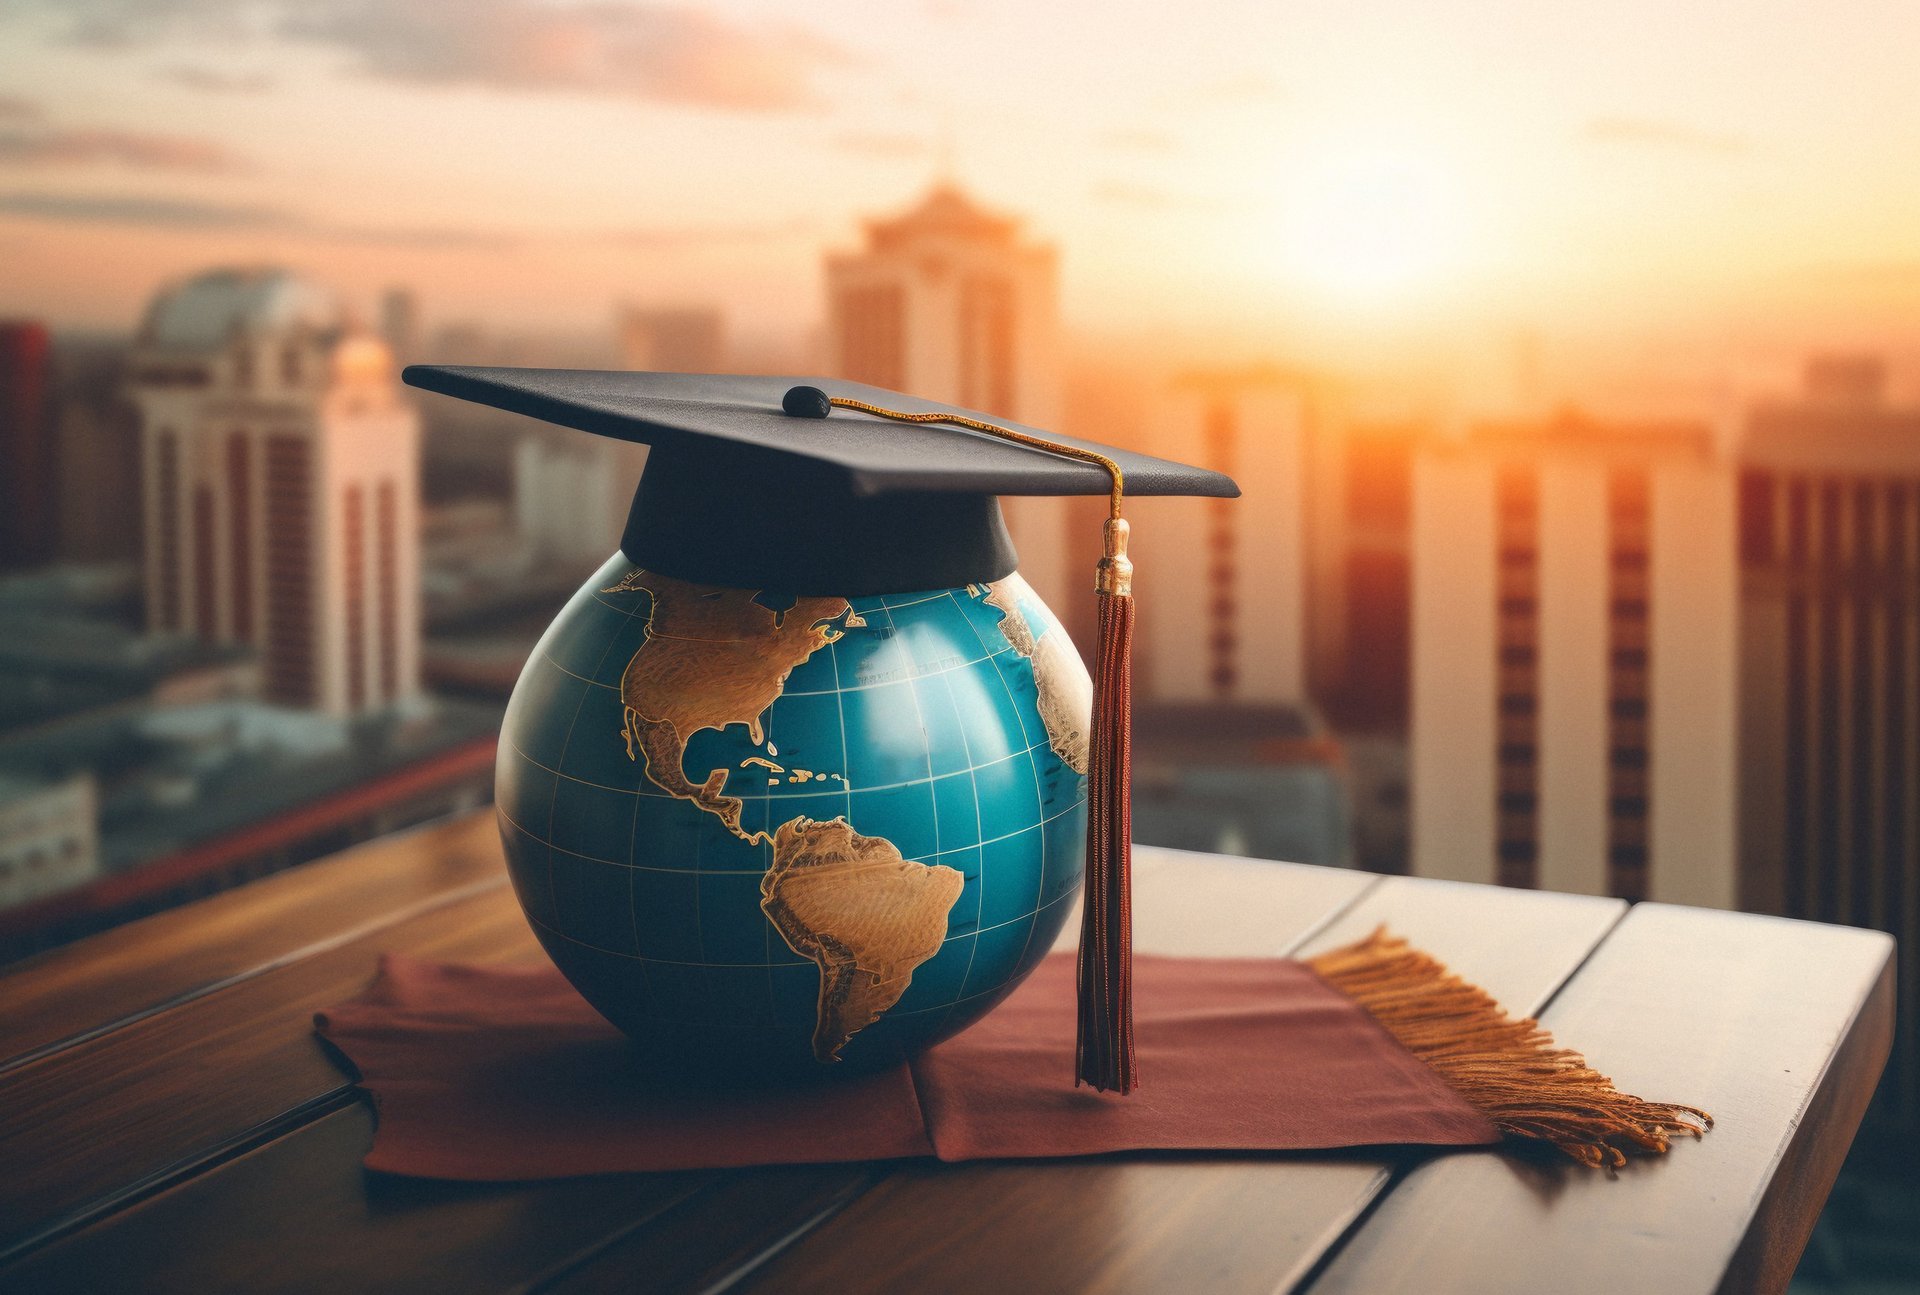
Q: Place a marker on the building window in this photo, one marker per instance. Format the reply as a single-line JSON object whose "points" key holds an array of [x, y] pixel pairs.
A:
{"points": [[1899, 555], [167, 487], [1629, 523], [1379, 479], [206, 571], [1756, 517], [1831, 524], [1516, 651], [987, 346], [1799, 519], [872, 323], [288, 503], [386, 559], [1378, 664], [240, 533], [1222, 433], [353, 568]]}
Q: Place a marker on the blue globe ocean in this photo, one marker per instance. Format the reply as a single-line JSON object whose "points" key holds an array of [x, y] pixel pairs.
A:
{"points": [[780, 834]]}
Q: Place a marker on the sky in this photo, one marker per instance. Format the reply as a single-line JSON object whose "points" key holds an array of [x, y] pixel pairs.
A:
{"points": [[1257, 172]]}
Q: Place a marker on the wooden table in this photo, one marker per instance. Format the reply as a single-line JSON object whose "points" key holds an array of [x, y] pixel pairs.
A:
{"points": [[167, 1121]]}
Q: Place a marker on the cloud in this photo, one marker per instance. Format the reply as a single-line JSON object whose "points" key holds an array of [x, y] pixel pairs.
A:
{"points": [[123, 24], [1238, 90], [884, 144], [1148, 197], [137, 149], [213, 81], [1648, 132], [1157, 142], [652, 52], [1900, 274], [186, 215], [124, 209], [426, 238], [694, 235]]}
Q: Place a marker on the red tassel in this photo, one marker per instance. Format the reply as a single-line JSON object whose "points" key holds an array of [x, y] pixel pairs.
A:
{"points": [[1104, 1054], [1105, 1049]]}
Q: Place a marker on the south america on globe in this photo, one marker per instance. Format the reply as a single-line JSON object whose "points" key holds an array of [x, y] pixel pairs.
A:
{"points": [[796, 834]]}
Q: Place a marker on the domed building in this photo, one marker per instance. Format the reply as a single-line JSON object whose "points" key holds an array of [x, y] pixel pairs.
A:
{"points": [[280, 469]]}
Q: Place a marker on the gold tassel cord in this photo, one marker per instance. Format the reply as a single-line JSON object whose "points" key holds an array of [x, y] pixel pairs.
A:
{"points": [[1104, 1050], [1006, 434], [1508, 1069]]}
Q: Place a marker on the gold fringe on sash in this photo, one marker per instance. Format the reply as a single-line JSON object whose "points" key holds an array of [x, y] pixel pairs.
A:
{"points": [[1507, 1069]]}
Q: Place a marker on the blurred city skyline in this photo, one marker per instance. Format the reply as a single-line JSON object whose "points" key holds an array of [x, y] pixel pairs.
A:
{"points": [[1657, 192], [1568, 359]]}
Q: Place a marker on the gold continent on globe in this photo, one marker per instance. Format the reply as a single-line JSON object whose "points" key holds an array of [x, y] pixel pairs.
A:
{"points": [[866, 915], [712, 657]]}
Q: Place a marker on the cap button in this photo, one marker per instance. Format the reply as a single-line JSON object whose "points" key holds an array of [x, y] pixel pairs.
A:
{"points": [[806, 402]]}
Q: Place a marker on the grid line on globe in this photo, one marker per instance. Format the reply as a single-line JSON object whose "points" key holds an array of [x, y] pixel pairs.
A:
{"points": [[743, 872], [937, 754], [927, 758], [1038, 797]]}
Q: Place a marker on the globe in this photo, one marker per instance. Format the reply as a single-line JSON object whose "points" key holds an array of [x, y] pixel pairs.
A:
{"points": [[786, 835]]}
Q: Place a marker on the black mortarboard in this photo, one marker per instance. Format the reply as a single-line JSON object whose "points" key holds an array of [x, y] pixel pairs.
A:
{"points": [[737, 491], [754, 483]]}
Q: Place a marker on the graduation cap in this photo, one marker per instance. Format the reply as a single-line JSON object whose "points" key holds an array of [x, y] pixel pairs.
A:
{"points": [[816, 486]]}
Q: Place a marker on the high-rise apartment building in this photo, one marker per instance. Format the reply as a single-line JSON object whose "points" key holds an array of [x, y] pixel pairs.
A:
{"points": [[96, 433], [1223, 581], [1574, 661], [1829, 544], [1359, 512], [28, 526], [672, 339], [951, 302], [280, 468], [570, 497], [400, 323]]}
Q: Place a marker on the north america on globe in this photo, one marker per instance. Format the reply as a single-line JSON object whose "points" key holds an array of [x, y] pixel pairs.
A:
{"points": [[712, 657]]}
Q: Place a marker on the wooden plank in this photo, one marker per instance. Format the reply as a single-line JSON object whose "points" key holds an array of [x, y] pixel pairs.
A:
{"points": [[1779, 1028], [1163, 1223], [98, 983], [267, 1065], [90, 1123], [228, 1230], [729, 1229], [1208, 905]]}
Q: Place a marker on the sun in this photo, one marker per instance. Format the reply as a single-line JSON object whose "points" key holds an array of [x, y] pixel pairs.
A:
{"points": [[1372, 227]]}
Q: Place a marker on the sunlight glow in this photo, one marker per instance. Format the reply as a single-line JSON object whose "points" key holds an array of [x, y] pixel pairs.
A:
{"points": [[1373, 227]]}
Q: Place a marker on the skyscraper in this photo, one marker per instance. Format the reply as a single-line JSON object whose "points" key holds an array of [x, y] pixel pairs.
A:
{"points": [[570, 497], [98, 438], [1225, 620], [1829, 542], [672, 339], [1359, 511], [400, 323], [1574, 653], [950, 302], [280, 469], [27, 523]]}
